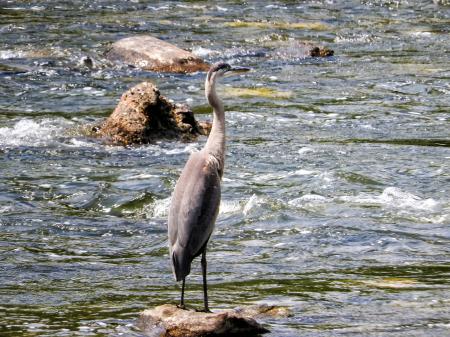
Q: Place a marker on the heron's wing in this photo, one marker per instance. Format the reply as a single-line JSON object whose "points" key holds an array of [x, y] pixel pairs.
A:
{"points": [[195, 203]]}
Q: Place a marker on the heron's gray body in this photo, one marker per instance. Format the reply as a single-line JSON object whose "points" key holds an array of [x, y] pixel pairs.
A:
{"points": [[193, 211]]}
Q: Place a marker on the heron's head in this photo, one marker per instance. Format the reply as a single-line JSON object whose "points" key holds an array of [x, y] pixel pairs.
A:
{"points": [[224, 69]]}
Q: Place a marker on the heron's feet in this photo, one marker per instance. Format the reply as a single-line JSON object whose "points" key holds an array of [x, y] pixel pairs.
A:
{"points": [[181, 306], [206, 310]]}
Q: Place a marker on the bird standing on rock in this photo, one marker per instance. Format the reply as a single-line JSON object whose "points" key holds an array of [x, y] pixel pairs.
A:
{"points": [[196, 198]]}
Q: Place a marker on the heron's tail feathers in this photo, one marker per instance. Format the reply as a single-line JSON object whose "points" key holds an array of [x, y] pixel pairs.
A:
{"points": [[181, 265]]}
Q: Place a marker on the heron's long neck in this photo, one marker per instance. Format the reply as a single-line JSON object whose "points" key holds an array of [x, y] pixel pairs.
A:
{"points": [[216, 140]]}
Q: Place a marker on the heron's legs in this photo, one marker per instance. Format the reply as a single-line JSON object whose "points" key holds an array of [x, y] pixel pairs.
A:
{"points": [[181, 305], [205, 287]]}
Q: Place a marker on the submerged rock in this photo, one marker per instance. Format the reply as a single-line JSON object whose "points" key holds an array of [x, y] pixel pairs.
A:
{"points": [[170, 321], [150, 53], [294, 49], [143, 115], [320, 52], [265, 310]]}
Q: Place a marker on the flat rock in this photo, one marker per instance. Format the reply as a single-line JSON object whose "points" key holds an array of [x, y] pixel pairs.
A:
{"points": [[143, 115], [169, 321], [149, 53]]}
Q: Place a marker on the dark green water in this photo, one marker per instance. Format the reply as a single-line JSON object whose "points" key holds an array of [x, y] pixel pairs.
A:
{"points": [[336, 189]]}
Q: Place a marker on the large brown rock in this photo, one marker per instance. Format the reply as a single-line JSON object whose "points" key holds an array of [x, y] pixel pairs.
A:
{"points": [[143, 115], [170, 321], [149, 53]]}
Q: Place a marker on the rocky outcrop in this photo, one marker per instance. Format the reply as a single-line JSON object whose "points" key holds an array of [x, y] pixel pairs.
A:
{"points": [[170, 321], [143, 115], [149, 53]]}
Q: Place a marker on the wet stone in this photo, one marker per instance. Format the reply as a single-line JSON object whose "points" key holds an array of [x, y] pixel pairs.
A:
{"points": [[149, 53], [143, 115], [170, 321]]}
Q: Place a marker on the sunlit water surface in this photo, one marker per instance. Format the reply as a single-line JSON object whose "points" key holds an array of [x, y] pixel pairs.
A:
{"points": [[336, 189]]}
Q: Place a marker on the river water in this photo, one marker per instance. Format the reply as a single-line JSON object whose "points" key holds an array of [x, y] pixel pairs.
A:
{"points": [[336, 193]]}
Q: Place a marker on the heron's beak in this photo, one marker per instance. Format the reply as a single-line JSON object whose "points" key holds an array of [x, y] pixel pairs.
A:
{"points": [[236, 71]]}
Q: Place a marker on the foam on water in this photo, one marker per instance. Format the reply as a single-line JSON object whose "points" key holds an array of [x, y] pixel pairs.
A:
{"points": [[28, 132], [80, 143], [6, 209], [394, 197], [303, 172], [10, 54], [69, 133], [204, 52], [392, 200], [270, 176], [230, 206], [355, 38], [160, 208], [282, 175], [190, 148], [158, 9], [254, 204], [305, 150], [308, 199], [135, 176]]}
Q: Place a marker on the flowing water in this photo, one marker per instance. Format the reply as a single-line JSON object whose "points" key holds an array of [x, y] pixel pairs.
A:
{"points": [[336, 189]]}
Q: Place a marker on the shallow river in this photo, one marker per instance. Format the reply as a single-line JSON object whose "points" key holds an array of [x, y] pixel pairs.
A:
{"points": [[336, 194]]}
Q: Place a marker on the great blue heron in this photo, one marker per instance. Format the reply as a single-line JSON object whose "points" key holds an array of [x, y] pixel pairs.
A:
{"points": [[196, 198]]}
